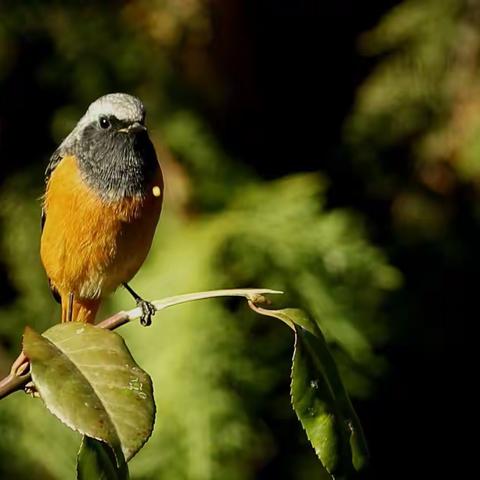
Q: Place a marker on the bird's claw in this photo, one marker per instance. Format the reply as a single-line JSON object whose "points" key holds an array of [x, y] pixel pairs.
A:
{"points": [[148, 310]]}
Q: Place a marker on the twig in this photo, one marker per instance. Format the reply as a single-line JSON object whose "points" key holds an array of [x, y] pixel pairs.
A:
{"points": [[17, 379]]}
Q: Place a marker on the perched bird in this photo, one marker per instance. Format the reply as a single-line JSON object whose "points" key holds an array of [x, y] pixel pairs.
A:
{"points": [[102, 202]]}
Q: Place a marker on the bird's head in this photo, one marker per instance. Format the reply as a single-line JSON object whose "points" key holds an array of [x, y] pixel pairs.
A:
{"points": [[112, 147], [115, 112]]}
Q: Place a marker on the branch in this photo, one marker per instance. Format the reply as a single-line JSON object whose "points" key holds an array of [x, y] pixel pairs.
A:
{"points": [[17, 379]]}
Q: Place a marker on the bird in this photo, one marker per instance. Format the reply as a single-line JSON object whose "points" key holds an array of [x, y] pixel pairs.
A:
{"points": [[102, 201]]}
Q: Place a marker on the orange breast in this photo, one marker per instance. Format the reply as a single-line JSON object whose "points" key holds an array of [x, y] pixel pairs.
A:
{"points": [[88, 246]]}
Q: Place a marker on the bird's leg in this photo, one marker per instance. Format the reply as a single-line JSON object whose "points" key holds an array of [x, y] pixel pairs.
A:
{"points": [[148, 309], [70, 307]]}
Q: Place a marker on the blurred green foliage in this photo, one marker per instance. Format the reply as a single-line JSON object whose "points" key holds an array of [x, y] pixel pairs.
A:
{"points": [[414, 129], [220, 374]]}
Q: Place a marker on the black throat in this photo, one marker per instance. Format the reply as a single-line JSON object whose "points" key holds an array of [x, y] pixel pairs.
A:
{"points": [[116, 164]]}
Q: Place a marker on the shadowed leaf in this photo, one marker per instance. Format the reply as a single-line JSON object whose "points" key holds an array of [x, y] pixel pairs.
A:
{"points": [[88, 379], [320, 399], [96, 460]]}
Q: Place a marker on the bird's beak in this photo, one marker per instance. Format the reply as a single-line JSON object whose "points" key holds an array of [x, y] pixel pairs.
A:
{"points": [[136, 127], [133, 128]]}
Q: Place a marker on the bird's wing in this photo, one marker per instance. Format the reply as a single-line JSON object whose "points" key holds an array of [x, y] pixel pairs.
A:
{"points": [[55, 159]]}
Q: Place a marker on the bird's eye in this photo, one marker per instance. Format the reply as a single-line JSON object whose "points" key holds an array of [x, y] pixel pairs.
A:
{"points": [[104, 122]]}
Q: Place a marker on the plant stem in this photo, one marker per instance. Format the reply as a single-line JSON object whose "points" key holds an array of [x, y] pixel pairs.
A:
{"points": [[11, 383]]}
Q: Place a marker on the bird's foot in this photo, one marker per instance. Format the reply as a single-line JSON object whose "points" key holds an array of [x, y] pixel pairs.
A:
{"points": [[148, 310]]}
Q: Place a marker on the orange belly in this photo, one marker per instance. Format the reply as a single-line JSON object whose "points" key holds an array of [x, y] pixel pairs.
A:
{"points": [[88, 246]]}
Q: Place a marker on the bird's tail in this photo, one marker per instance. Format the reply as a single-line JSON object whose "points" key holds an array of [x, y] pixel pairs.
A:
{"points": [[79, 310]]}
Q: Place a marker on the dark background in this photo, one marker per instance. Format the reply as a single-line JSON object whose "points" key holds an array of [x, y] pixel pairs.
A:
{"points": [[293, 70]]}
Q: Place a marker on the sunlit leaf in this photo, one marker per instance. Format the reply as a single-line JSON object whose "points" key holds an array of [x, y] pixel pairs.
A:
{"points": [[88, 379], [320, 399], [96, 460]]}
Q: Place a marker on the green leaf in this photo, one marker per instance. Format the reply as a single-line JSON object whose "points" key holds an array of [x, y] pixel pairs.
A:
{"points": [[88, 379], [319, 397], [96, 460]]}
